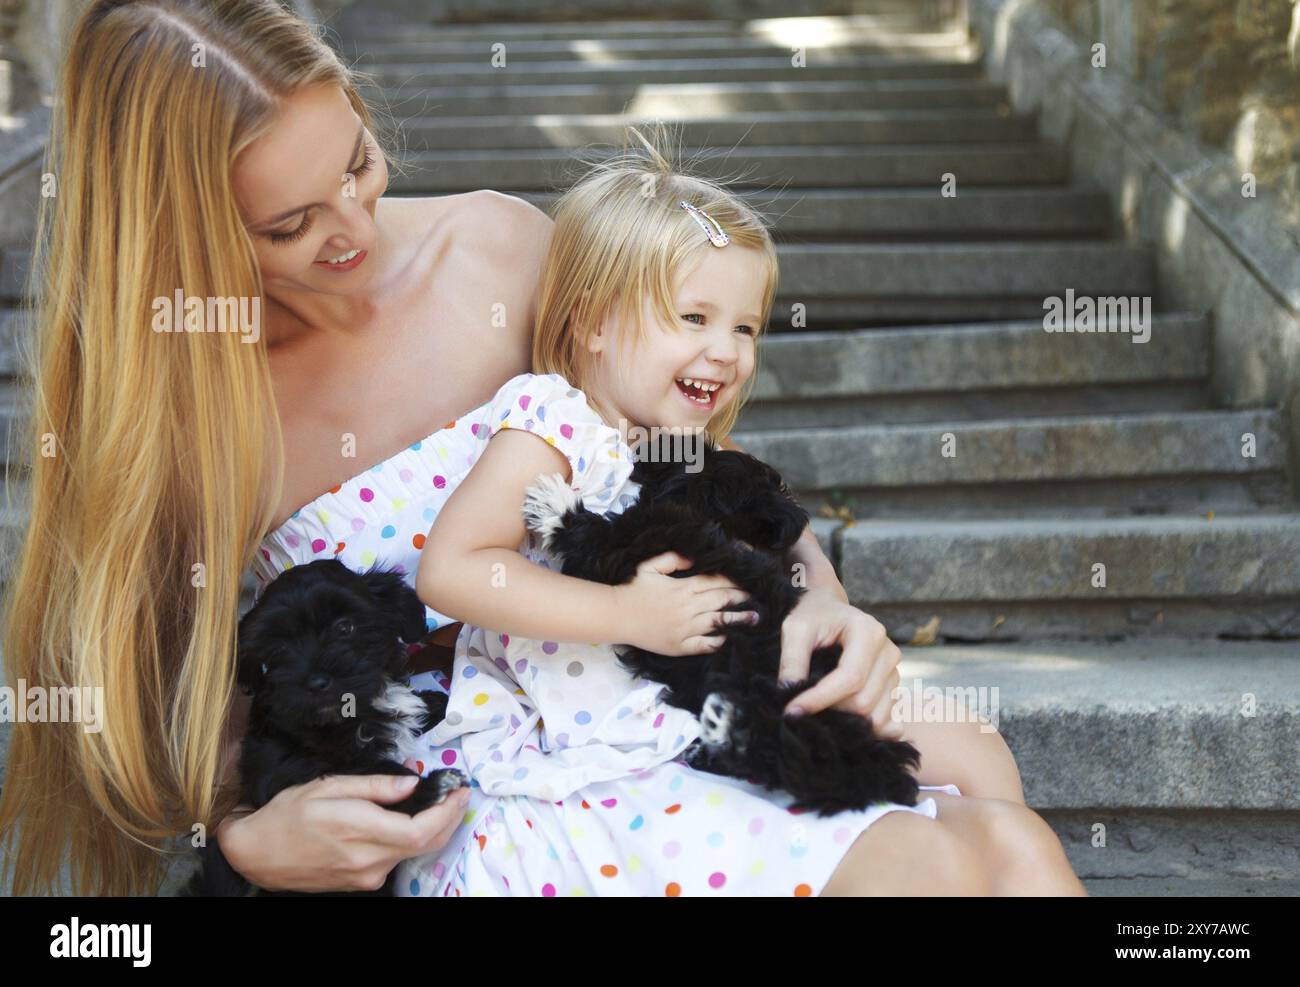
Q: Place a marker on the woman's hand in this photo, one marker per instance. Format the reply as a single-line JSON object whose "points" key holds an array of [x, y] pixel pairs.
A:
{"points": [[330, 835], [867, 672], [677, 616]]}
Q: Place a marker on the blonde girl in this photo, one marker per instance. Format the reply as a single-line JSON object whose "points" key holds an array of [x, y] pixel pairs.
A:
{"points": [[654, 293]]}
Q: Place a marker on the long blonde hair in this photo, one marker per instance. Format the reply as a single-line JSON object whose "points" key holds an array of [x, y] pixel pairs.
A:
{"points": [[620, 237], [156, 459]]}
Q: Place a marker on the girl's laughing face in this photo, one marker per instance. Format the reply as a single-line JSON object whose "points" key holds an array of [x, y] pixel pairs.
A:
{"points": [[681, 375]]}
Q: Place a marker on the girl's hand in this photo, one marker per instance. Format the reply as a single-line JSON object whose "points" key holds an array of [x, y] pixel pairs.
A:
{"points": [[677, 616], [330, 835], [867, 673]]}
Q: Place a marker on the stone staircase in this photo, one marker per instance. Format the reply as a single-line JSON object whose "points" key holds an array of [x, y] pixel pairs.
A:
{"points": [[922, 334], [969, 471]]}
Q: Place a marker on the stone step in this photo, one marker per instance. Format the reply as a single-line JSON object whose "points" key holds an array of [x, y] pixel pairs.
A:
{"points": [[426, 53], [866, 215], [984, 370], [674, 101], [1211, 885], [15, 261], [1003, 579], [915, 166], [804, 127], [13, 333], [1183, 750], [646, 71], [831, 28], [1089, 464], [964, 270], [836, 286], [1173, 702]]}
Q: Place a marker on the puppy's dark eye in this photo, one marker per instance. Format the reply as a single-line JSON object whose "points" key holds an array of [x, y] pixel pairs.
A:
{"points": [[343, 626]]}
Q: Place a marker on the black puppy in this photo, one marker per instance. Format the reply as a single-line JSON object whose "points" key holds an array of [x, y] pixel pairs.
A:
{"points": [[732, 515], [322, 656]]}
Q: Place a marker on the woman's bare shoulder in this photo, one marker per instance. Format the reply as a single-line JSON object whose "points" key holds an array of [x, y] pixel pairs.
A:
{"points": [[512, 225], [498, 232], [490, 219], [491, 244], [507, 239]]}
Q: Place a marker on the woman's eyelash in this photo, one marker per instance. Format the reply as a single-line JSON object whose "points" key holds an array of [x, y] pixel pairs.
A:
{"points": [[305, 228], [296, 235], [367, 164]]}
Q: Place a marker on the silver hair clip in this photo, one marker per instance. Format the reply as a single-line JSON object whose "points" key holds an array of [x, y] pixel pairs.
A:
{"points": [[707, 223]]}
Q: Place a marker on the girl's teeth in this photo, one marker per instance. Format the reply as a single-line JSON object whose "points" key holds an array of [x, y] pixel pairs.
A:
{"points": [[699, 384], [345, 258], [706, 388]]}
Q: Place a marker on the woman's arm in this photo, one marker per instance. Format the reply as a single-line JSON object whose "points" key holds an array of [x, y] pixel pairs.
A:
{"points": [[330, 834], [471, 568]]}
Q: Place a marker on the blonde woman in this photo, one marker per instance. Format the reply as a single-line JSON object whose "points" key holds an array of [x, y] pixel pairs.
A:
{"points": [[217, 149]]}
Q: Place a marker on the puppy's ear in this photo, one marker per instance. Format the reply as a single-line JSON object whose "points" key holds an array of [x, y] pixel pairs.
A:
{"points": [[753, 502], [248, 667], [394, 596], [667, 462]]}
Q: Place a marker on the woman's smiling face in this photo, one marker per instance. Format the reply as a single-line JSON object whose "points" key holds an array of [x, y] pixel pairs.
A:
{"points": [[307, 191], [681, 375]]}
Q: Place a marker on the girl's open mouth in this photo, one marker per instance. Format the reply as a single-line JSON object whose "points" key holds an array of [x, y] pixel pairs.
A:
{"points": [[701, 393]]}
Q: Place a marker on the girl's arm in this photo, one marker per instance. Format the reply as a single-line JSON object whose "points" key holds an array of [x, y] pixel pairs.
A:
{"points": [[471, 568]]}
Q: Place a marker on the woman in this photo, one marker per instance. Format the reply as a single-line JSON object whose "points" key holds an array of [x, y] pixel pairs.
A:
{"points": [[218, 149]]}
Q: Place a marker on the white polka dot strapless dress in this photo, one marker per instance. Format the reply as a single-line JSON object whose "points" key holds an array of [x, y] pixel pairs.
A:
{"points": [[578, 783]]}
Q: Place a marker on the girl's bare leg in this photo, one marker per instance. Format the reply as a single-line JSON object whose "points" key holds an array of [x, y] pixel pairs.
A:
{"points": [[903, 854], [1022, 853], [959, 753]]}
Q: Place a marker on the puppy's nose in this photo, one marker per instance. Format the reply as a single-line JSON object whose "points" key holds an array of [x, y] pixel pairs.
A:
{"points": [[318, 683]]}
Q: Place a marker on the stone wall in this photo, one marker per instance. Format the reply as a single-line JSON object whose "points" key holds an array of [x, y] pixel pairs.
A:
{"points": [[470, 11], [1227, 71], [1222, 246]]}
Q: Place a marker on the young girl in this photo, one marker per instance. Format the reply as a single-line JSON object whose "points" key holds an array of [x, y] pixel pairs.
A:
{"points": [[653, 295]]}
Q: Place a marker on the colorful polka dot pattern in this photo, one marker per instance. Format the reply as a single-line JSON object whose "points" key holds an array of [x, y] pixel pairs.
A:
{"points": [[665, 831], [382, 515]]}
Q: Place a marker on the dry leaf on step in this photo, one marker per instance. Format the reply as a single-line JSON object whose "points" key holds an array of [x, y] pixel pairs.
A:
{"points": [[928, 633]]}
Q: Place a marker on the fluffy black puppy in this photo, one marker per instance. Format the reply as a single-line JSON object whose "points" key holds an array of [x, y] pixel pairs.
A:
{"points": [[322, 656], [732, 515]]}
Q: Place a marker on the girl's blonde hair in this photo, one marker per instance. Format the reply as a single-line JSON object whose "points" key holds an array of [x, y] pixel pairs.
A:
{"points": [[155, 459], [620, 237]]}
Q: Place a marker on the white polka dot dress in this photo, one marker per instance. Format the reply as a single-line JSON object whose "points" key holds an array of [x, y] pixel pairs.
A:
{"points": [[579, 783], [578, 786]]}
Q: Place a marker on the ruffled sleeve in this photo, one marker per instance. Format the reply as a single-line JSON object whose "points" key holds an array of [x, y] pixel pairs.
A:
{"points": [[555, 411]]}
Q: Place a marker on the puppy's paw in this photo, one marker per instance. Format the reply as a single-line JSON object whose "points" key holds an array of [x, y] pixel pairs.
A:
{"points": [[719, 720], [435, 706], [697, 755], [545, 504], [446, 782]]}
